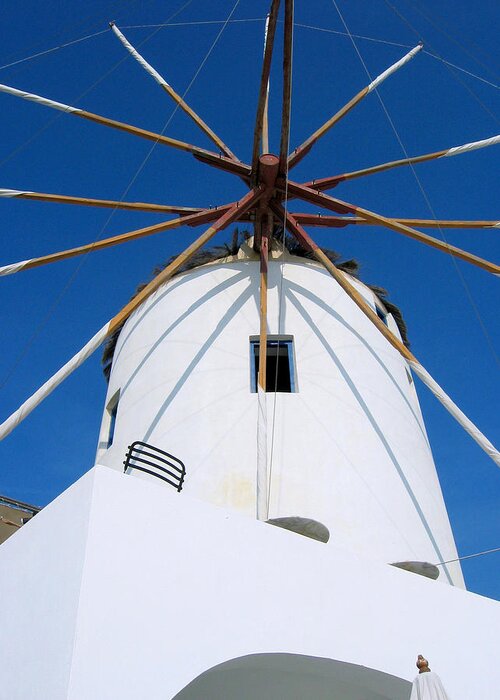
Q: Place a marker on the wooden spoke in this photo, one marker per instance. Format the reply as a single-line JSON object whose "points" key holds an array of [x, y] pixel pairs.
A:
{"points": [[447, 223], [262, 475], [341, 207], [191, 220], [108, 203], [341, 221], [265, 116], [231, 214], [304, 148], [121, 126], [173, 94], [330, 182], [264, 82], [306, 241], [226, 164], [264, 255], [322, 220], [151, 136], [287, 85]]}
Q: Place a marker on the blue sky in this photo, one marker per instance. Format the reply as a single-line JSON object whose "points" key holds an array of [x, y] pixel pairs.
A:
{"points": [[451, 308]]}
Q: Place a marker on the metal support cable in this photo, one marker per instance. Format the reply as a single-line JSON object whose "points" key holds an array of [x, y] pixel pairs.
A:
{"points": [[424, 194], [131, 182], [280, 295]]}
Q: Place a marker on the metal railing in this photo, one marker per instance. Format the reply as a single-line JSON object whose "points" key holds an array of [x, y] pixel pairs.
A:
{"points": [[158, 463]]}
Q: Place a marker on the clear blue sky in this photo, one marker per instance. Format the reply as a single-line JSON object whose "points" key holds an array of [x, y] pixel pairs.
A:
{"points": [[451, 308]]}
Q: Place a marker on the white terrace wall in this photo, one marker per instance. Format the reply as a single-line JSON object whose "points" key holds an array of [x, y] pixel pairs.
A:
{"points": [[123, 589], [348, 448]]}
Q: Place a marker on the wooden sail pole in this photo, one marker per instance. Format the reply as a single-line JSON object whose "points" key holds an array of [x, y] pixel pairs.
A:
{"points": [[121, 126], [108, 329], [192, 220], [262, 471], [265, 116], [230, 215], [306, 241], [340, 221], [107, 203], [305, 147], [263, 89], [172, 93], [268, 172], [329, 182], [287, 85], [341, 207], [264, 258]]}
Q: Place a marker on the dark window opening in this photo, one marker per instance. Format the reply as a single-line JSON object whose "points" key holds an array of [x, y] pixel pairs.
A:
{"points": [[381, 313], [280, 369], [112, 411]]}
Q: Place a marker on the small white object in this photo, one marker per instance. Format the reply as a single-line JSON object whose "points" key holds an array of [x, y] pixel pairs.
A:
{"points": [[147, 67], [428, 686], [459, 416], [396, 66], [38, 99], [14, 267], [25, 409], [12, 193], [471, 146]]}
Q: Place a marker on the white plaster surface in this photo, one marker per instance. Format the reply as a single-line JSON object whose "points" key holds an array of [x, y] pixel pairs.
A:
{"points": [[349, 449], [41, 569], [130, 590]]}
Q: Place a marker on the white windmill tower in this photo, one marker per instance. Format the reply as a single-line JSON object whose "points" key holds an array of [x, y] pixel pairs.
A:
{"points": [[263, 386]]}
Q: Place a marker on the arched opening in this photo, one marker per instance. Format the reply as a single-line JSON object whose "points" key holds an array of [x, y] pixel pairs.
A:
{"points": [[293, 677]]}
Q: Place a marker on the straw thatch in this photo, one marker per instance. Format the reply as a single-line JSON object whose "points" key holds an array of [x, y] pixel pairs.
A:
{"points": [[231, 248]]}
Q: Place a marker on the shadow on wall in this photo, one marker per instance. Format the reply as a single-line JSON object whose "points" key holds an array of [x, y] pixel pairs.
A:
{"points": [[293, 677], [378, 431]]}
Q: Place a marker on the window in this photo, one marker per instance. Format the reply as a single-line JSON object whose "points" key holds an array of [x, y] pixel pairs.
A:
{"points": [[112, 409], [280, 364], [381, 313]]}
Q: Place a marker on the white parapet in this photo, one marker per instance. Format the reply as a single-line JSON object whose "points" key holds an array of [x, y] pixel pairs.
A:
{"points": [[123, 589]]}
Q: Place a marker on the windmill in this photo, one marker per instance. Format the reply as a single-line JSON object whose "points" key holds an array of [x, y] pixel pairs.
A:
{"points": [[268, 206], [270, 185]]}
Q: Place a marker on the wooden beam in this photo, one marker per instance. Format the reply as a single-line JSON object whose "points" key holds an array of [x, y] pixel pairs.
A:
{"points": [[264, 82], [264, 258], [121, 126], [114, 325], [341, 207], [190, 220], [447, 223], [173, 94], [222, 163], [325, 221], [265, 116], [305, 147], [330, 182], [306, 241], [262, 470], [107, 203], [342, 279], [143, 133], [287, 85], [230, 215], [340, 221]]}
